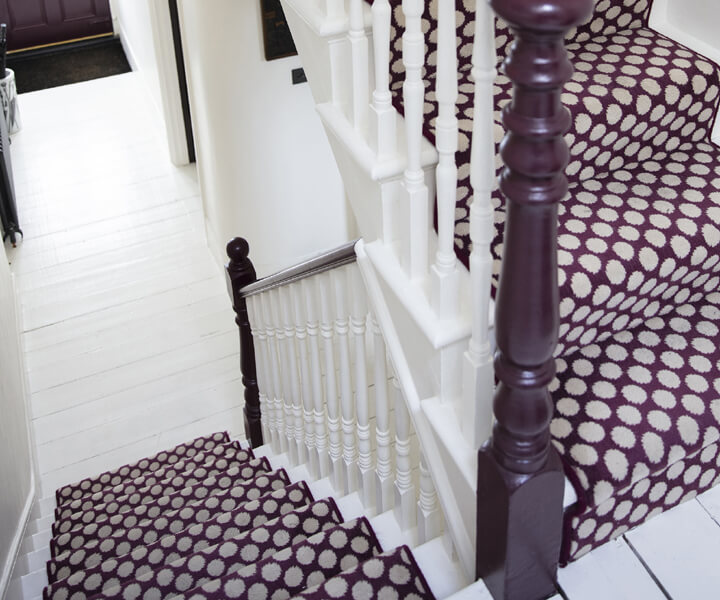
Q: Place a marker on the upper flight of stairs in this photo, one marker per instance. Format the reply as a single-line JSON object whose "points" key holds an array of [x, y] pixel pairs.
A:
{"points": [[214, 519], [637, 408]]}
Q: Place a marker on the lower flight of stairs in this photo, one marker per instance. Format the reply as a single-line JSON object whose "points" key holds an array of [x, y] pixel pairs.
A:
{"points": [[215, 519]]}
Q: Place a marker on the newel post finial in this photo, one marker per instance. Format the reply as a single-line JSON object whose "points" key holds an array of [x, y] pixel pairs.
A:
{"points": [[520, 477], [241, 272]]}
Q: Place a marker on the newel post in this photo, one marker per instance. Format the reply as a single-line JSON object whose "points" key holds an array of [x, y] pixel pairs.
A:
{"points": [[520, 477], [240, 272]]}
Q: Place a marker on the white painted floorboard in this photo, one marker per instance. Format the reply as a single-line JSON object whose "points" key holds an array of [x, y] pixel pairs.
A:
{"points": [[129, 335], [130, 341]]}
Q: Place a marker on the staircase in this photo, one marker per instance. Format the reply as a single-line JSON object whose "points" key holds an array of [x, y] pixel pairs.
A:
{"points": [[379, 433], [415, 99], [214, 519]]}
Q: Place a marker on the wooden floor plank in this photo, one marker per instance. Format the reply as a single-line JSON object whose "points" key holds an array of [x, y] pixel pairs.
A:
{"points": [[195, 380], [121, 315], [710, 501], [94, 387], [611, 571], [682, 549]]}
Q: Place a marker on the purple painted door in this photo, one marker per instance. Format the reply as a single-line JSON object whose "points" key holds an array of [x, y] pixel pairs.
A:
{"points": [[37, 22]]}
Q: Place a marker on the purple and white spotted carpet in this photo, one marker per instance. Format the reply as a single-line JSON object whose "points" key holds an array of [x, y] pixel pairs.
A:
{"points": [[206, 520], [637, 394]]}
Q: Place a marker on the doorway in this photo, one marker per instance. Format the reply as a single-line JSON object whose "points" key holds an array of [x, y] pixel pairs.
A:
{"points": [[33, 23]]}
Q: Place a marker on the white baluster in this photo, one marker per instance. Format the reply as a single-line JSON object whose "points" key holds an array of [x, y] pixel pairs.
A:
{"points": [[405, 503], [415, 229], [478, 381], [358, 325], [384, 471], [383, 129], [265, 313], [445, 271], [349, 452], [290, 369], [430, 519], [285, 376], [298, 304], [260, 344], [360, 66], [313, 328], [331, 390]]}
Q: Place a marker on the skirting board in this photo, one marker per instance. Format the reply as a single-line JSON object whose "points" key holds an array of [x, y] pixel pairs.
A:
{"points": [[9, 566]]}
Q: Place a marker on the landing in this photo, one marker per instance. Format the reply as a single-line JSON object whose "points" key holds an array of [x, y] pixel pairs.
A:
{"points": [[129, 338]]}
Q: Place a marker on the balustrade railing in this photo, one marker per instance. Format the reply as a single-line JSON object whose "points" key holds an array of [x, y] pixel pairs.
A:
{"points": [[326, 393]]}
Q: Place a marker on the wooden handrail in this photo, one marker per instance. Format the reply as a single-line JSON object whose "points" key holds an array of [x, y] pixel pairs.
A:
{"points": [[520, 476], [342, 255]]}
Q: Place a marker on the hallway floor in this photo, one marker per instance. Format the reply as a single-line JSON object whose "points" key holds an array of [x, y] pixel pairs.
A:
{"points": [[129, 336]]}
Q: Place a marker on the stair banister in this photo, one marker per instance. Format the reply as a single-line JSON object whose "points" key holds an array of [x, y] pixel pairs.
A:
{"points": [[520, 476], [383, 472], [360, 57], [297, 302], [445, 272], [267, 408], [320, 461], [478, 374], [383, 128], [415, 221], [358, 326], [347, 406], [331, 388], [240, 272]]}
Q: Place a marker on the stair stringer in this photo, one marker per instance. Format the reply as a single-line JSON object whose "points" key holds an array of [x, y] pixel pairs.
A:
{"points": [[418, 362], [321, 42]]}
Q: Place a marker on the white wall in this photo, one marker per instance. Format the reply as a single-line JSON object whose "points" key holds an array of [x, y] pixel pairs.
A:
{"points": [[266, 169], [146, 34], [16, 465]]}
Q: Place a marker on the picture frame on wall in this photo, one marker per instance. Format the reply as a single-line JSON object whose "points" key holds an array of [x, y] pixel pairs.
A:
{"points": [[277, 38]]}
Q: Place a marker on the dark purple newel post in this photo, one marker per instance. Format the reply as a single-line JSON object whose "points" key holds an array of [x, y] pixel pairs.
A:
{"points": [[240, 272], [520, 476]]}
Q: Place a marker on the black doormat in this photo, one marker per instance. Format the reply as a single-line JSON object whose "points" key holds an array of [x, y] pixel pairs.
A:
{"points": [[51, 67]]}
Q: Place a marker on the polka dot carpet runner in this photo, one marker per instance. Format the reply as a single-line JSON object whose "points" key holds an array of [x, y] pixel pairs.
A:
{"points": [[637, 392], [233, 531]]}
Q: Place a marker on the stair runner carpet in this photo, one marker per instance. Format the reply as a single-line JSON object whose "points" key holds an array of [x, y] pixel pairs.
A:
{"points": [[207, 519], [637, 418]]}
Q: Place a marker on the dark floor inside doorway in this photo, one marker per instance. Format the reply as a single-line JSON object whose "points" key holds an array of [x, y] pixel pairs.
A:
{"points": [[63, 65]]}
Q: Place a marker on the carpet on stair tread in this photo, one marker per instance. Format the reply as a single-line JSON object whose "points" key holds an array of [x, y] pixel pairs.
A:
{"points": [[229, 557], [392, 575], [637, 422], [145, 558], [627, 97], [131, 471], [298, 567], [230, 451], [212, 486], [84, 550], [246, 469], [638, 239]]}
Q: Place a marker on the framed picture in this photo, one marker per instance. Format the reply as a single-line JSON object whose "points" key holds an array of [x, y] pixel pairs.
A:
{"points": [[276, 33]]}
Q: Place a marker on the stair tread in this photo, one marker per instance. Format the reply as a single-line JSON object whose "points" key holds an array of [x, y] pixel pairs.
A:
{"points": [[298, 567], [212, 460], [192, 539], [394, 570], [122, 504], [116, 538], [113, 477], [236, 553], [227, 451]]}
